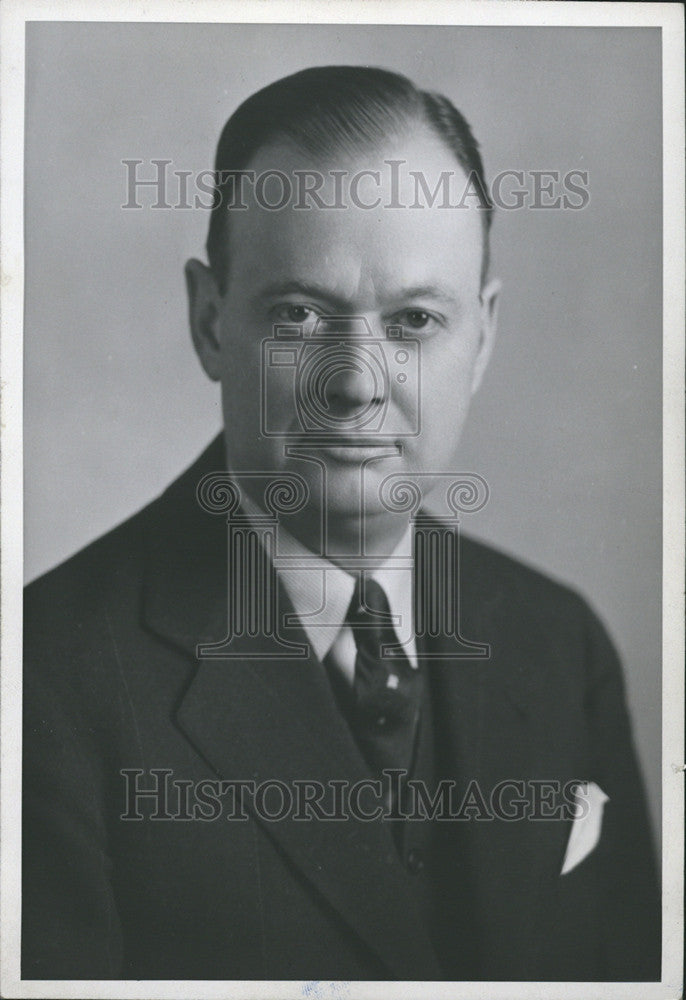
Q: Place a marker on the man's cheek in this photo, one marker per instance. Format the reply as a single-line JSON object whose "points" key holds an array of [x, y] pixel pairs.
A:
{"points": [[443, 416]]}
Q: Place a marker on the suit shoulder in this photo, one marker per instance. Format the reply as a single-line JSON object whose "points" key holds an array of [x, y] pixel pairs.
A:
{"points": [[532, 607], [492, 571], [99, 568], [114, 561]]}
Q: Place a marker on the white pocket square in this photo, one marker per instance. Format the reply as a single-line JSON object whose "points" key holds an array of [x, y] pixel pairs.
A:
{"points": [[588, 821]]}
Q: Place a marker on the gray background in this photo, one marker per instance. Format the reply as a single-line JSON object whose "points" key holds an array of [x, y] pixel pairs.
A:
{"points": [[567, 426]]}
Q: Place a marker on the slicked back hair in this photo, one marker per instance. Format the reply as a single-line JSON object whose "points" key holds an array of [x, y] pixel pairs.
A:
{"points": [[327, 108]]}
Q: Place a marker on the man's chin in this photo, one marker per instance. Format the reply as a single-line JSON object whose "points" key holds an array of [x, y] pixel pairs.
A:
{"points": [[353, 488]]}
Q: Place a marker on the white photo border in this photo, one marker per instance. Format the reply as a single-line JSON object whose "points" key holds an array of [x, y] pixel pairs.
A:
{"points": [[14, 14]]}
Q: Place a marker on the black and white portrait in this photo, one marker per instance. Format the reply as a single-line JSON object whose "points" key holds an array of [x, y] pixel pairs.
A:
{"points": [[342, 645]]}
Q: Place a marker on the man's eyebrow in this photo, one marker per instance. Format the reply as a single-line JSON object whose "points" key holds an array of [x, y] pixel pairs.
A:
{"points": [[312, 290], [309, 289], [424, 292]]}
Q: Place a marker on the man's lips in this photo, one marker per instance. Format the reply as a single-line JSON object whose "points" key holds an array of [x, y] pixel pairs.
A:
{"points": [[353, 450]]}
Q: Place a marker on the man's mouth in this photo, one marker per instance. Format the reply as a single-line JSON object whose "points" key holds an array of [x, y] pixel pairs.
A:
{"points": [[354, 450]]}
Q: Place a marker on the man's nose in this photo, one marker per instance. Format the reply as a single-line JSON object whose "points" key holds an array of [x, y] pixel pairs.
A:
{"points": [[352, 384]]}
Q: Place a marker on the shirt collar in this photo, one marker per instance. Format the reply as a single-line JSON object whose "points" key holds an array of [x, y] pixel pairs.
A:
{"points": [[315, 584]]}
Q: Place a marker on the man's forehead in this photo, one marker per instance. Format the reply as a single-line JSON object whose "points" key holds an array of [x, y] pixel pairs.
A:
{"points": [[383, 264], [384, 214]]}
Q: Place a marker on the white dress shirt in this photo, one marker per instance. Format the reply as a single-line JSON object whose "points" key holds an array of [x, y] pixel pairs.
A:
{"points": [[321, 593]]}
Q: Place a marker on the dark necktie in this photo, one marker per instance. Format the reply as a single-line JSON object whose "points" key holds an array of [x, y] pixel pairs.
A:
{"points": [[387, 689]]}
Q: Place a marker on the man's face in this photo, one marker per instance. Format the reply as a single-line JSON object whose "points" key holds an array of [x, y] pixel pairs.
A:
{"points": [[414, 268]]}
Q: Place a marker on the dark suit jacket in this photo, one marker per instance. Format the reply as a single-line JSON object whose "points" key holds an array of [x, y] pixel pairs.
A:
{"points": [[112, 682]]}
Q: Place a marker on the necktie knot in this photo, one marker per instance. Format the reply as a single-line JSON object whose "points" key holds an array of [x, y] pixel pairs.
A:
{"points": [[370, 618]]}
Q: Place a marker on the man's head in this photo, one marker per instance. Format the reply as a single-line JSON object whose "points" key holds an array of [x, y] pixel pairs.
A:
{"points": [[415, 265], [327, 111]]}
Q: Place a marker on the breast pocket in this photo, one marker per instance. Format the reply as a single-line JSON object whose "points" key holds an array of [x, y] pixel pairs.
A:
{"points": [[586, 827]]}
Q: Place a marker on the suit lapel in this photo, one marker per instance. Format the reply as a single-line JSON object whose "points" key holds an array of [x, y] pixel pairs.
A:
{"points": [[260, 720], [264, 720]]}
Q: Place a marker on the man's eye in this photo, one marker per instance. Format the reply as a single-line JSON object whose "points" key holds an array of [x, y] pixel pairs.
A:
{"points": [[293, 313], [416, 319]]}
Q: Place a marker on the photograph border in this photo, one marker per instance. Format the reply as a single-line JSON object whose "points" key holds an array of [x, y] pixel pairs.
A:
{"points": [[14, 14]]}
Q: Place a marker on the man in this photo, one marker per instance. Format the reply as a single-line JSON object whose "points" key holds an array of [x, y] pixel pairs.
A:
{"points": [[186, 678]]}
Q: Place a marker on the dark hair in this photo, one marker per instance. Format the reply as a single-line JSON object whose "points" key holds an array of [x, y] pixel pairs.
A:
{"points": [[324, 108]]}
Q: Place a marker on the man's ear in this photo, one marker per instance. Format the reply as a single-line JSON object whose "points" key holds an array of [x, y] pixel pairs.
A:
{"points": [[203, 313], [489, 298]]}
